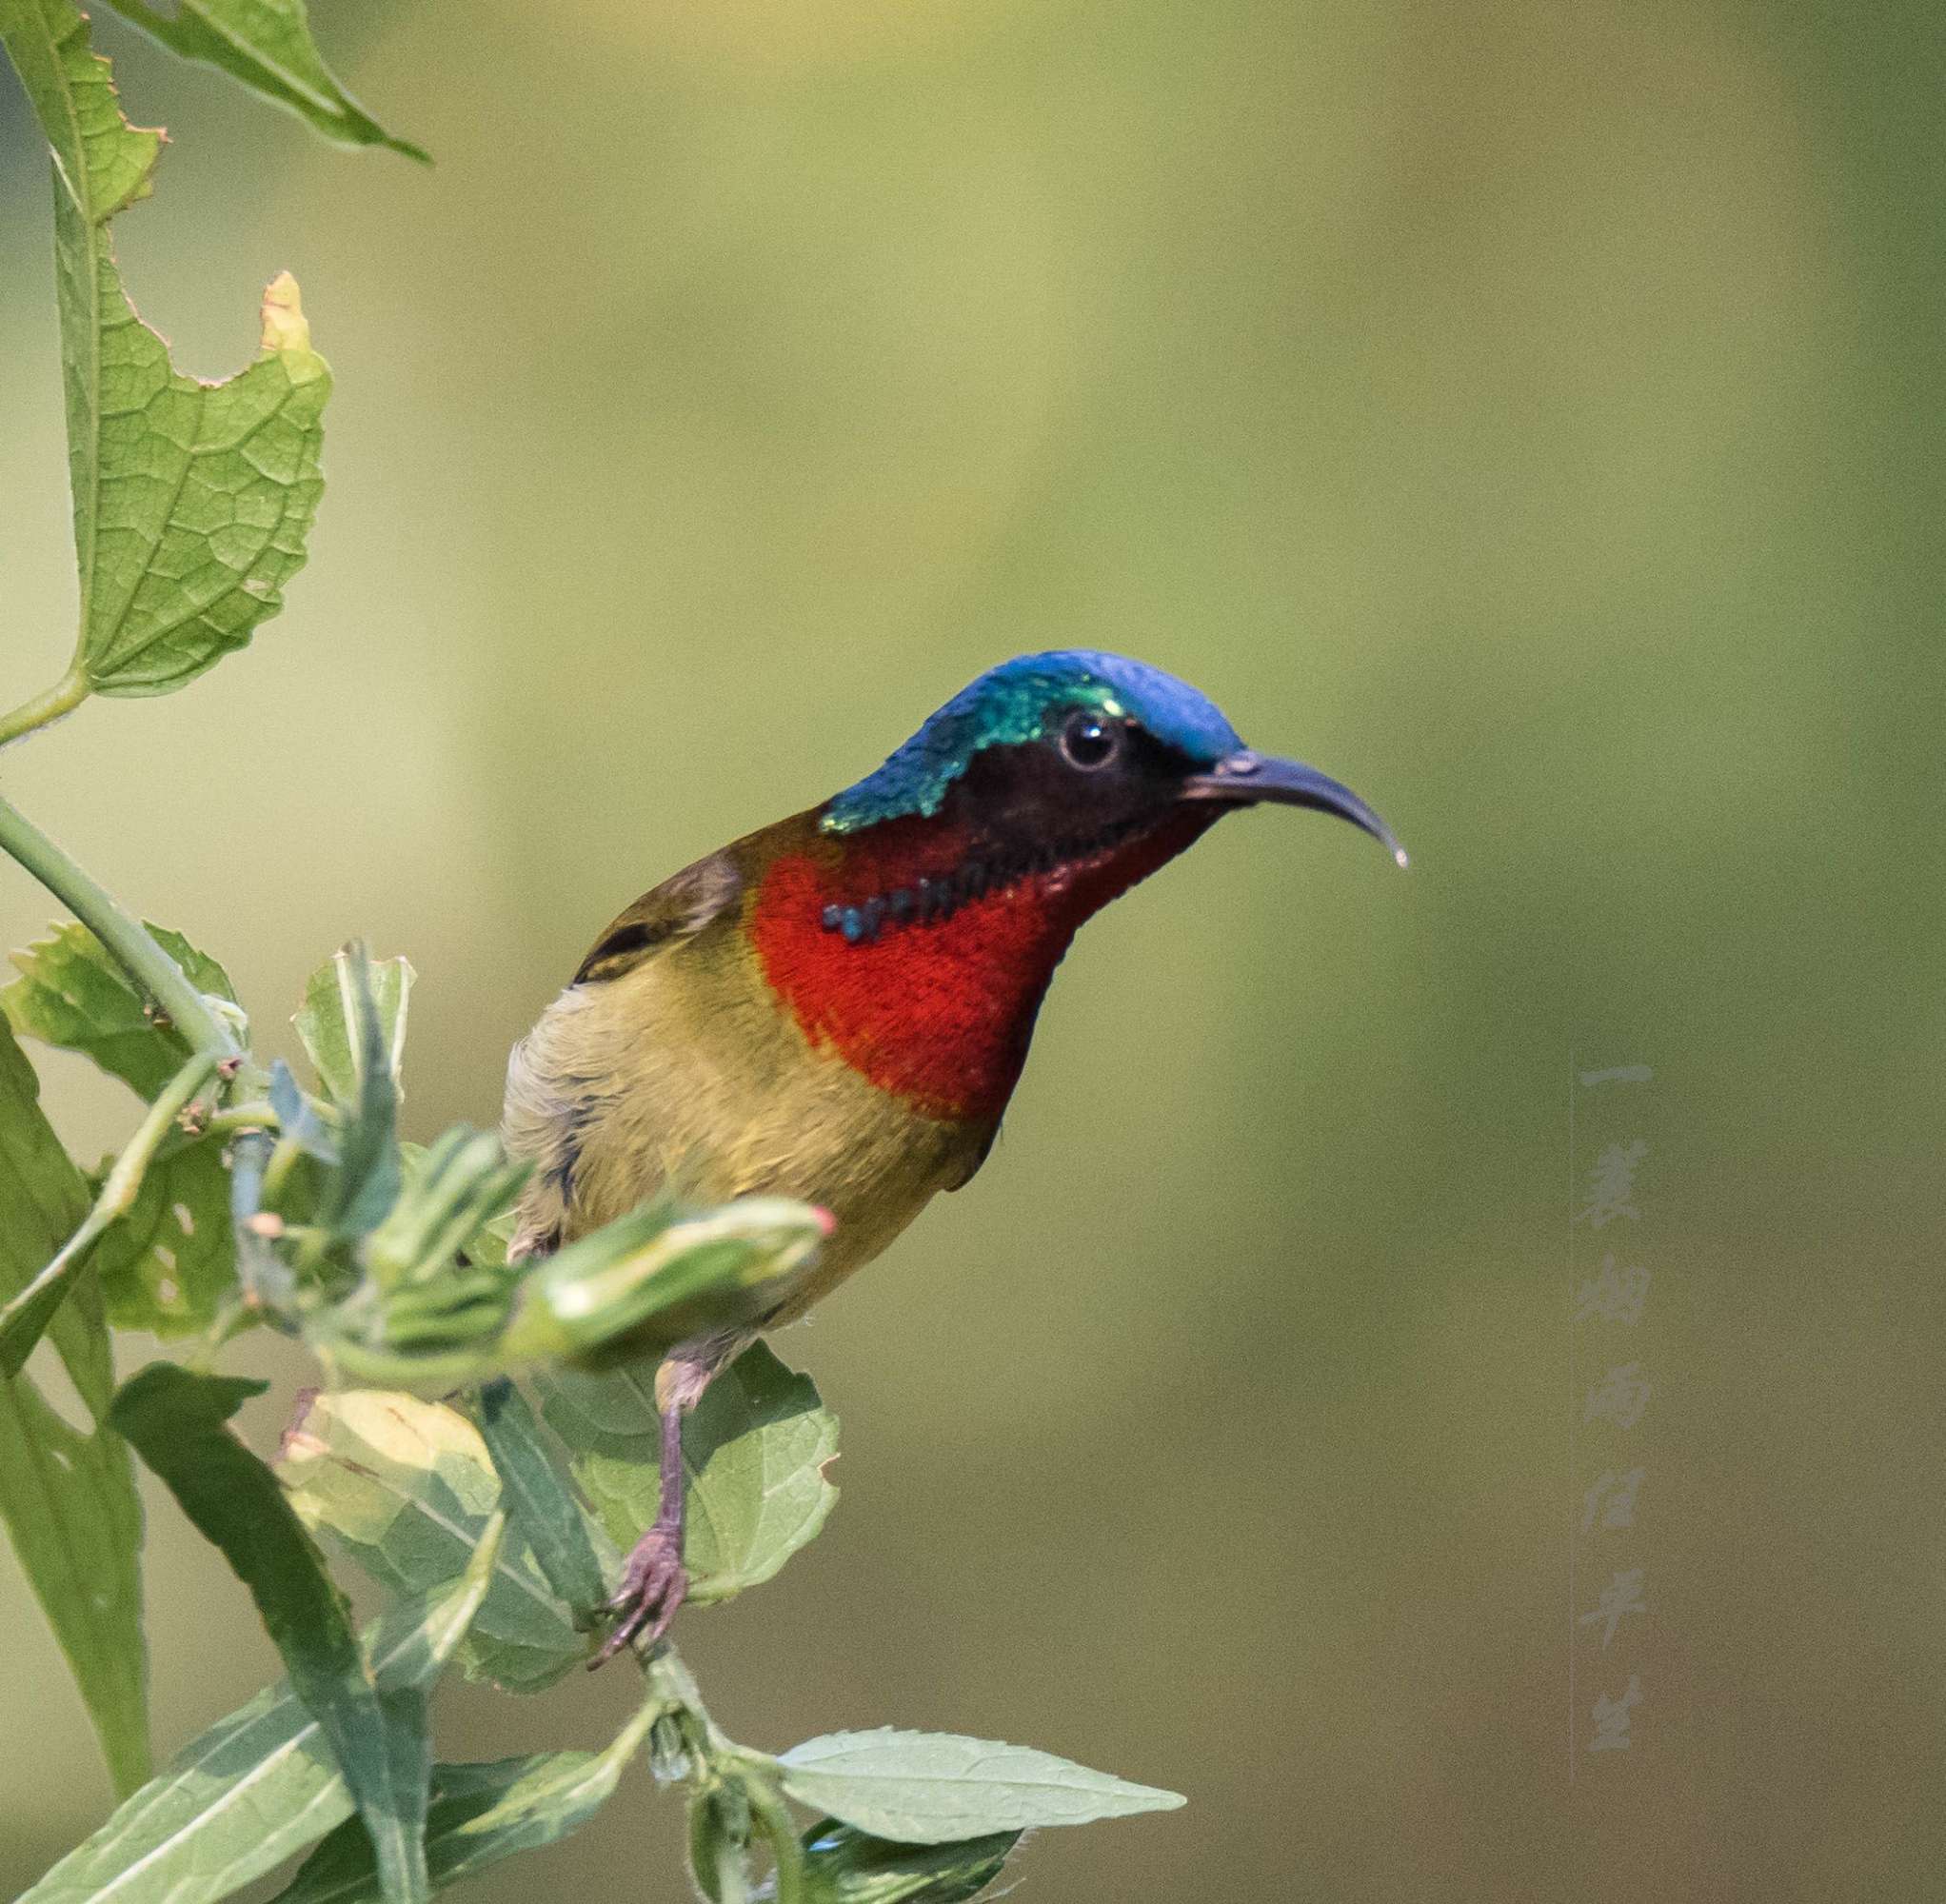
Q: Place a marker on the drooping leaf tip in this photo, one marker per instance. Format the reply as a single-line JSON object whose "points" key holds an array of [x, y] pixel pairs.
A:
{"points": [[286, 329]]}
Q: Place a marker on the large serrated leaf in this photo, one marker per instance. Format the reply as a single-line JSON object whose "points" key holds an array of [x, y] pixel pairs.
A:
{"points": [[177, 1421], [193, 500], [72, 993], [68, 1497], [267, 46], [754, 1452], [260, 1784], [403, 1487], [932, 1787]]}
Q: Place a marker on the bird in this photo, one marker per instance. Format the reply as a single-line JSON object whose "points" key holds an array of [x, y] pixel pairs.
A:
{"points": [[837, 1008]]}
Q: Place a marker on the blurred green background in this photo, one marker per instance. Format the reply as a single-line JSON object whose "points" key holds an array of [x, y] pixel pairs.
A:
{"points": [[1529, 413]]}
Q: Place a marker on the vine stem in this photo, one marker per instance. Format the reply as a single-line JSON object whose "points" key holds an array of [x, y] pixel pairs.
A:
{"points": [[154, 972], [28, 1315], [62, 698]]}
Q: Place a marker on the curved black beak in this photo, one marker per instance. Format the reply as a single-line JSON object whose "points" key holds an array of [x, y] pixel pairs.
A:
{"points": [[1247, 777]]}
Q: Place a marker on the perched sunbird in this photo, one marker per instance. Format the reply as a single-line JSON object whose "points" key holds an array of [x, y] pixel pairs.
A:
{"points": [[836, 1008]]}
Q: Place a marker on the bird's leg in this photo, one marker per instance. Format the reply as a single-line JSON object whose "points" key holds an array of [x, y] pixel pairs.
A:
{"points": [[654, 1582]]}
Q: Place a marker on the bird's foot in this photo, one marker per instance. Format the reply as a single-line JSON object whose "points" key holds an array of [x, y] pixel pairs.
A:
{"points": [[654, 1585]]}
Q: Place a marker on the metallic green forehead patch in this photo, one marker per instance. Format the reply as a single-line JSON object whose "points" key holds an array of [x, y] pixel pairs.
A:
{"points": [[1011, 703]]}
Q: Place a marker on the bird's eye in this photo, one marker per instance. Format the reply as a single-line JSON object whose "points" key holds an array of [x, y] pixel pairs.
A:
{"points": [[1089, 742]]}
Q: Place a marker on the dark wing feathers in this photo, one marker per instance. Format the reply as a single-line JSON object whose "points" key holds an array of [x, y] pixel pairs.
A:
{"points": [[678, 908]]}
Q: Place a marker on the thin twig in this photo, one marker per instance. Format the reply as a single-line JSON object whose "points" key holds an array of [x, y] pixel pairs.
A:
{"points": [[24, 1319]]}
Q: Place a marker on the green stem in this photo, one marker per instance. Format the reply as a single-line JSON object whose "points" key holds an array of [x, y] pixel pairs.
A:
{"points": [[233, 1319], [732, 1886], [219, 1126], [277, 1172], [672, 1681], [263, 1279], [673, 1684], [771, 1817], [154, 971], [62, 698], [24, 1319], [256, 1114]]}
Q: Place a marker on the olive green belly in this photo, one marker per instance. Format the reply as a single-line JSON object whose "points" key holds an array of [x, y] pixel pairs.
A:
{"points": [[674, 1077]]}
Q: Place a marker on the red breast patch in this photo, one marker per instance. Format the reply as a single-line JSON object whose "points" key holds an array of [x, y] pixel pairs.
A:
{"points": [[939, 1013]]}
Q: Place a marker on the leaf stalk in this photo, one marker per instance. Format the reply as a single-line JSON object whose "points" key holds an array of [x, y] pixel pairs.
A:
{"points": [[62, 698]]}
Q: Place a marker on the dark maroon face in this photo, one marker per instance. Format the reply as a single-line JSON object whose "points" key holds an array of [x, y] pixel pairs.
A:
{"points": [[1093, 782], [1089, 783]]}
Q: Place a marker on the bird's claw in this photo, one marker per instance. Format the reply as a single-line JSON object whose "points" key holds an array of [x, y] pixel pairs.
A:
{"points": [[654, 1584]]}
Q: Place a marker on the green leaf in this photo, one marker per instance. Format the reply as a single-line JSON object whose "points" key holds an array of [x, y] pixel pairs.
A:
{"points": [[365, 1184], [100, 161], [754, 1454], [846, 1865], [930, 1787], [68, 1497], [631, 1289], [72, 993], [490, 1242], [403, 1487], [266, 44], [191, 500], [262, 1783], [655, 1277], [168, 1263], [425, 1312], [481, 1813], [540, 1499], [719, 1832], [323, 1021], [177, 1422], [297, 1119], [463, 1181]]}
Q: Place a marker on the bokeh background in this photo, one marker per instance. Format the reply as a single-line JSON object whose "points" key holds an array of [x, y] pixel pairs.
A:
{"points": [[1529, 413]]}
